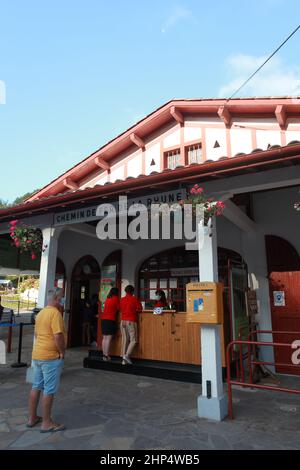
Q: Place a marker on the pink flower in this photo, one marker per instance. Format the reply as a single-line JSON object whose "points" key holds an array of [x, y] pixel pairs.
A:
{"points": [[28, 242], [220, 205], [33, 256], [195, 186], [17, 243], [13, 223], [193, 191], [199, 190]]}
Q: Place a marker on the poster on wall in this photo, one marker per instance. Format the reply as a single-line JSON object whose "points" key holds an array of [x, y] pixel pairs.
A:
{"points": [[279, 298], [108, 280]]}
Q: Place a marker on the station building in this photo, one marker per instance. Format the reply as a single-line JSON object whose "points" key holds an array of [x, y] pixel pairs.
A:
{"points": [[245, 152]]}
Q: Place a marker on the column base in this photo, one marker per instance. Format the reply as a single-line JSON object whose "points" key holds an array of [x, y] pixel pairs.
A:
{"points": [[215, 408]]}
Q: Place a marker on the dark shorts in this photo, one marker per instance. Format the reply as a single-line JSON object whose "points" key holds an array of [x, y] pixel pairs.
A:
{"points": [[108, 327]]}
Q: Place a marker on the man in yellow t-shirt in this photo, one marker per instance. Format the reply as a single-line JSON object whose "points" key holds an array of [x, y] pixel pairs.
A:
{"points": [[47, 358]]}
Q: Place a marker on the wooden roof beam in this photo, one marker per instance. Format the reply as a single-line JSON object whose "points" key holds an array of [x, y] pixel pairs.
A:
{"points": [[102, 164], [280, 114], [177, 115], [225, 115], [137, 140], [70, 184]]}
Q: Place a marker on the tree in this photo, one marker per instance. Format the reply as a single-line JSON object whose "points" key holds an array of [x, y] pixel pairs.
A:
{"points": [[3, 204], [21, 199], [18, 200]]}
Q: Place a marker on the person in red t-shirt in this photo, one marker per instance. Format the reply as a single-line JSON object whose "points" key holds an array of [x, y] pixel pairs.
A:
{"points": [[161, 300], [108, 321], [130, 306]]}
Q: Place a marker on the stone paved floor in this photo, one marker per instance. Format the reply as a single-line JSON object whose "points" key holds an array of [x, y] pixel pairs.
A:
{"points": [[105, 410]]}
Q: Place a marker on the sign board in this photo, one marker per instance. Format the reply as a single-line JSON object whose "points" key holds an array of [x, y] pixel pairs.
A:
{"points": [[251, 301], [279, 298], [87, 214]]}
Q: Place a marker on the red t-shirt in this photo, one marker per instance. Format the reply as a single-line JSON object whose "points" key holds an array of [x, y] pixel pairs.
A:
{"points": [[130, 306], [159, 303], [111, 307]]}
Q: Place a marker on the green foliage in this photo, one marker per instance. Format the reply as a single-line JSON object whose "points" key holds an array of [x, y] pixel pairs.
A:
{"points": [[18, 200], [21, 199], [29, 283], [3, 204]]}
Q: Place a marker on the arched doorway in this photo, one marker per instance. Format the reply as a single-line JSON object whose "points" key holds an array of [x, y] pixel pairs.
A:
{"points": [[60, 274], [85, 283], [283, 263]]}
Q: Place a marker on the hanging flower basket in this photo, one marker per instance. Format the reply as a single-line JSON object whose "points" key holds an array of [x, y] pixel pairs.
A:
{"points": [[26, 238], [210, 206]]}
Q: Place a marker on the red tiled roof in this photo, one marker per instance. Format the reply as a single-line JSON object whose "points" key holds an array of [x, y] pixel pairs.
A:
{"points": [[195, 172], [159, 117]]}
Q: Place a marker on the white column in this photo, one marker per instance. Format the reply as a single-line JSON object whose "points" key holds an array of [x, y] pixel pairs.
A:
{"points": [[48, 264], [214, 407], [47, 273]]}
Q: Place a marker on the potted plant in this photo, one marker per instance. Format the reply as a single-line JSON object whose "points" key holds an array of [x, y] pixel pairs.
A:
{"points": [[26, 238]]}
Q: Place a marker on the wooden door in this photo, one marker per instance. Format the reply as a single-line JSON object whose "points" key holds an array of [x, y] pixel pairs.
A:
{"points": [[80, 292], [285, 308], [284, 283]]}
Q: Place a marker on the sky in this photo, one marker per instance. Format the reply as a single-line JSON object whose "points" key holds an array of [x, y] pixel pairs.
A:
{"points": [[76, 73]]}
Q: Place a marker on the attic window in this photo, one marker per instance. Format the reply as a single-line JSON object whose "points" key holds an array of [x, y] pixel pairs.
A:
{"points": [[172, 159], [193, 154]]}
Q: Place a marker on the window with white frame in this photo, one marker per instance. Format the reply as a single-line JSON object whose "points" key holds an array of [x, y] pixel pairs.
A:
{"points": [[172, 159], [193, 154]]}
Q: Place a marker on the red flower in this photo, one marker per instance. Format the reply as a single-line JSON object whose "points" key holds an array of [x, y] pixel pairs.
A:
{"points": [[220, 205], [33, 256]]}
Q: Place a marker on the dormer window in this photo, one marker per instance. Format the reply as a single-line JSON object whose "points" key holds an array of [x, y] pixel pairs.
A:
{"points": [[172, 159]]}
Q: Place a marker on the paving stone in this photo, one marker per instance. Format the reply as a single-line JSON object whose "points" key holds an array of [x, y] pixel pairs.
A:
{"points": [[17, 420], [18, 411], [4, 427], [8, 386], [80, 390], [144, 384], [83, 431], [116, 443], [219, 442], [8, 438], [29, 439]]}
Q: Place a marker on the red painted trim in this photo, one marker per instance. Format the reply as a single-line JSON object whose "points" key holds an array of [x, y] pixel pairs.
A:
{"points": [[160, 117], [102, 164], [137, 140], [177, 115], [281, 115], [254, 139], [228, 143], [201, 172], [70, 184], [225, 115]]}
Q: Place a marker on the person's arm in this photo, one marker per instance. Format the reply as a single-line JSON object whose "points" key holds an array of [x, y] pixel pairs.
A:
{"points": [[57, 325], [60, 344], [139, 307]]}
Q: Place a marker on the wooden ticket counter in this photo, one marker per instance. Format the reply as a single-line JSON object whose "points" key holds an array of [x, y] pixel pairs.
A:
{"points": [[166, 337]]}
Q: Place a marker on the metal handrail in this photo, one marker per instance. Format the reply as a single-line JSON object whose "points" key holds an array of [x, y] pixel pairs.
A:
{"points": [[250, 384]]}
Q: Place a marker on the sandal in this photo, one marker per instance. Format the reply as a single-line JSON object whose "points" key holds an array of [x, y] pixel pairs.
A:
{"points": [[57, 427], [37, 421]]}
